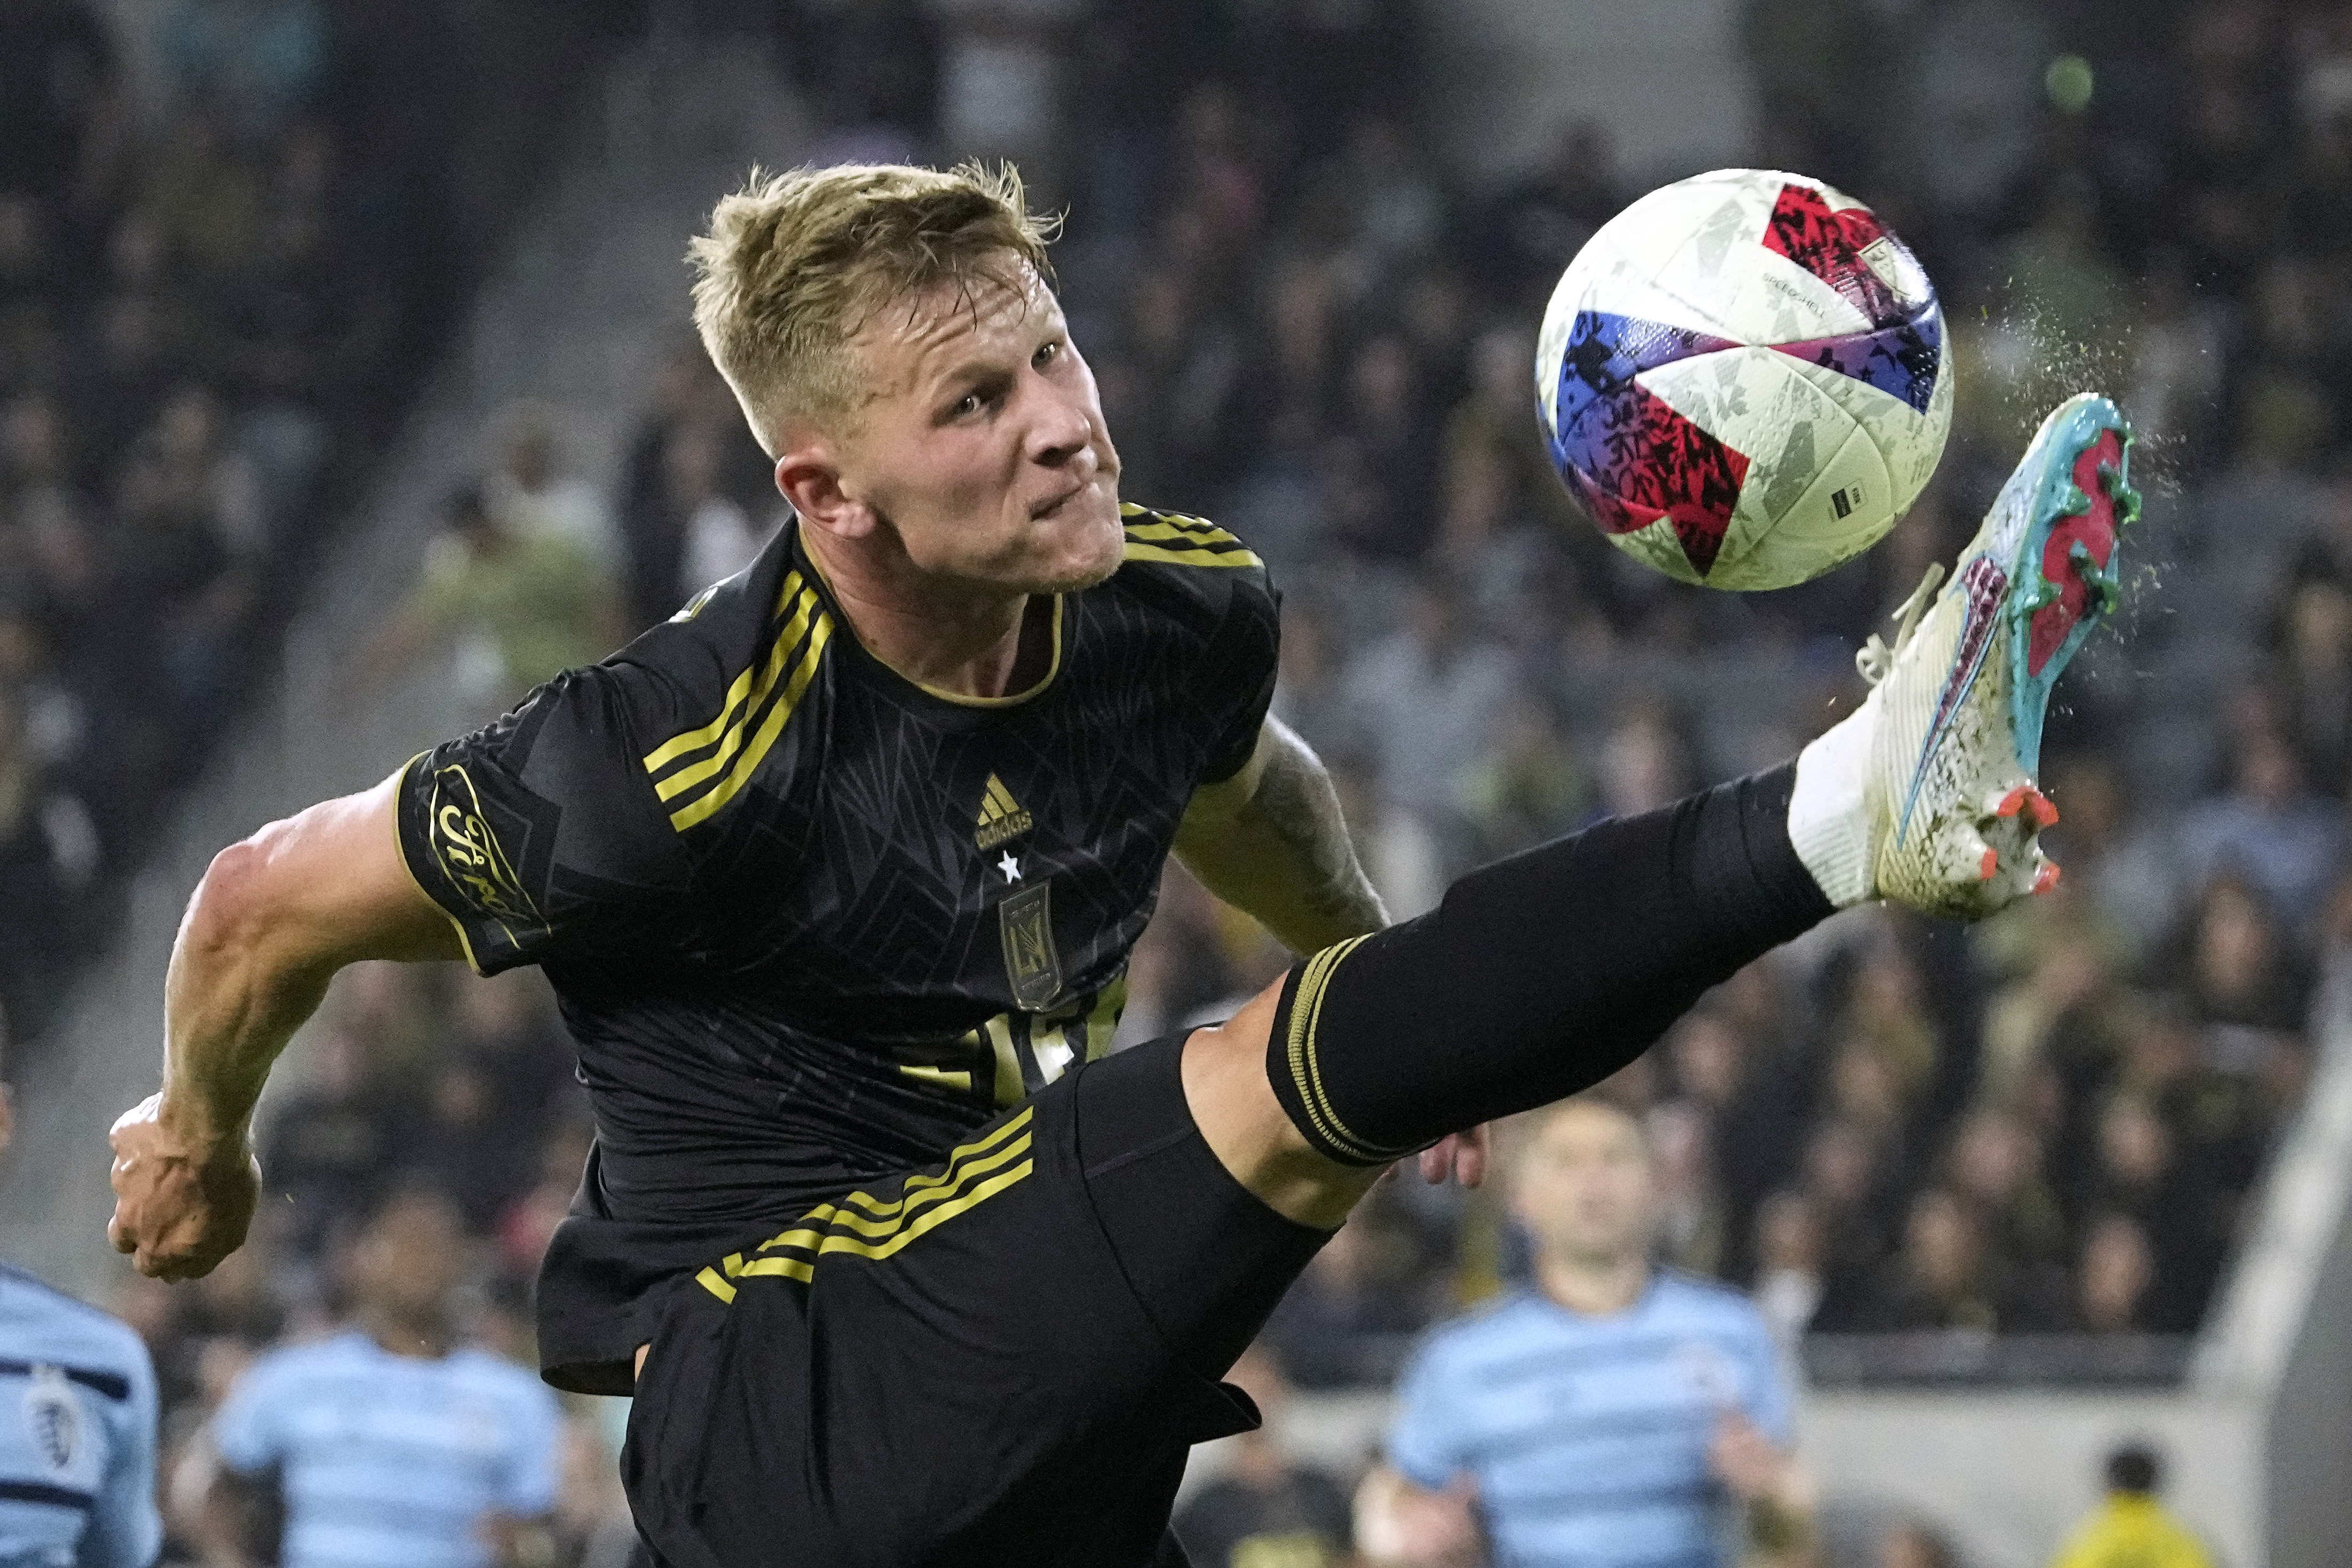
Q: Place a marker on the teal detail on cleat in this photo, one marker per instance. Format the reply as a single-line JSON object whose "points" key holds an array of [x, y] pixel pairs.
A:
{"points": [[2071, 538]]}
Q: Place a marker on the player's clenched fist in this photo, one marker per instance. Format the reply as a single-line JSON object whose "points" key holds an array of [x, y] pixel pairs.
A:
{"points": [[180, 1205]]}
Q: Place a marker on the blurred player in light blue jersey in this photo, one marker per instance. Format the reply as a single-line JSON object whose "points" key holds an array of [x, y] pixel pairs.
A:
{"points": [[77, 1429], [392, 1444], [1615, 1414]]}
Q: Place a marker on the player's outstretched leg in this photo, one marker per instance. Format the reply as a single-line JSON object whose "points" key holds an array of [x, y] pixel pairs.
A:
{"points": [[1544, 973]]}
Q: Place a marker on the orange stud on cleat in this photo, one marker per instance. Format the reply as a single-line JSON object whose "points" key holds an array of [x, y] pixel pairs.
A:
{"points": [[2037, 806], [2047, 877], [1992, 867]]}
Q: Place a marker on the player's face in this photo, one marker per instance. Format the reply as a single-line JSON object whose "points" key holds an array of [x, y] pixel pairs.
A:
{"points": [[408, 1260], [1586, 1186], [984, 447]]}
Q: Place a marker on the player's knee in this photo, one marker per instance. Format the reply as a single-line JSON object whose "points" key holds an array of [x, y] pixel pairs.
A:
{"points": [[1249, 1128]]}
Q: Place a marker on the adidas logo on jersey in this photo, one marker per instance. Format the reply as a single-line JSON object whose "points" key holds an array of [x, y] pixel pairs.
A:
{"points": [[1000, 815]]}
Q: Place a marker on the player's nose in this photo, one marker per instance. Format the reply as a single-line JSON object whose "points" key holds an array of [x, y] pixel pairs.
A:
{"points": [[1063, 431]]}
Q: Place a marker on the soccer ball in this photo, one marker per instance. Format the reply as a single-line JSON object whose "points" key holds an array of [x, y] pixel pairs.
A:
{"points": [[1743, 378]]}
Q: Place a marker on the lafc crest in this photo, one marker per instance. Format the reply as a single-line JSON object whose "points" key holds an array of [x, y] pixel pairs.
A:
{"points": [[1031, 965], [1000, 815]]}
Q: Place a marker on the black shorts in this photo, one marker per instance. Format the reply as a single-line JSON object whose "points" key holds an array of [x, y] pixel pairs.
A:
{"points": [[1000, 1360]]}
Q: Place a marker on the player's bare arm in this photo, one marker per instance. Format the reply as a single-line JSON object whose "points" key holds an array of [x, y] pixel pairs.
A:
{"points": [[272, 920], [1271, 842]]}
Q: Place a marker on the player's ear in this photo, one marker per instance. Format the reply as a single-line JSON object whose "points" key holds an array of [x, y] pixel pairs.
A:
{"points": [[807, 477]]}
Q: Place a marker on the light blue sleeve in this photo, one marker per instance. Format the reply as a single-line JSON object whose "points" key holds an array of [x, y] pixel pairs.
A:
{"points": [[534, 1452], [124, 1530], [1428, 1435], [246, 1430], [1763, 1376]]}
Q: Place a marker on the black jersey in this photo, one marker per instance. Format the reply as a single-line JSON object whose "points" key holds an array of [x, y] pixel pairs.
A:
{"points": [[809, 922]]}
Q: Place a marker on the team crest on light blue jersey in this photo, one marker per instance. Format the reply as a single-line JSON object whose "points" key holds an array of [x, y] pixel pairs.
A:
{"points": [[53, 1419]]}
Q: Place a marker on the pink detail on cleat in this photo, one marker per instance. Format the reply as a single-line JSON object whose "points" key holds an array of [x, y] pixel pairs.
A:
{"points": [[2095, 531], [1992, 867], [2047, 877]]}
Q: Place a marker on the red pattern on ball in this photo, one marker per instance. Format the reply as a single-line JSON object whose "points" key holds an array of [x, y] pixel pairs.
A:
{"points": [[1829, 245], [1656, 464]]}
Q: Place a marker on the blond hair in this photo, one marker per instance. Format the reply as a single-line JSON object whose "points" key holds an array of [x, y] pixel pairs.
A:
{"points": [[795, 263]]}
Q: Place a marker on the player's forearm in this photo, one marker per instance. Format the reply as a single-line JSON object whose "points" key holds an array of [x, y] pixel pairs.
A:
{"points": [[274, 919], [235, 992], [1280, 850]]}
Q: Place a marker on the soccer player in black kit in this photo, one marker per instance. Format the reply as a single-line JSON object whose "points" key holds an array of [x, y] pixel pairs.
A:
{"points": [[836, 874]]}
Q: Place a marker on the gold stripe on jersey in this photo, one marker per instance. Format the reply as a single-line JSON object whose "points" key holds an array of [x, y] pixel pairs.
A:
{"points": [[730, 740], [1181, 541], [694, 740], [919, 1183], [975, 1172], [1237, 554], [782, 709], [734, 749]]}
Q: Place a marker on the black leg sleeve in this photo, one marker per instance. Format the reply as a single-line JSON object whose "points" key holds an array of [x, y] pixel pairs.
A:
{"points": [[1539, 976]]}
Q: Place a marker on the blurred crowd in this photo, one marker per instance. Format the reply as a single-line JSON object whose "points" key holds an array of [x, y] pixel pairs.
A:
{"points": [[1308, 329], [230, 233]]}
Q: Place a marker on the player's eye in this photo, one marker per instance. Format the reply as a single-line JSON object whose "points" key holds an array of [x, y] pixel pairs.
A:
{"points": [[1046, 353], [967, 406]]}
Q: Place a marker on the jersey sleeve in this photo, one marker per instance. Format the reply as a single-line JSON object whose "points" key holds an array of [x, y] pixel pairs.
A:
{"points": [[1428, 1442], [540, 835], [125, 1529], [1219, 590], [1242, 666]]}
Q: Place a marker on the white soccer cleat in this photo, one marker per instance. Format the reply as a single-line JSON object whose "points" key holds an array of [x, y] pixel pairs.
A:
{"points": [[1954, 812]]}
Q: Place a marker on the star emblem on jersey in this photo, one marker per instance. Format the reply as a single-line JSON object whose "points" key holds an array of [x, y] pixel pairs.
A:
{"points": [[1001, 816], [1010, 867]]}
